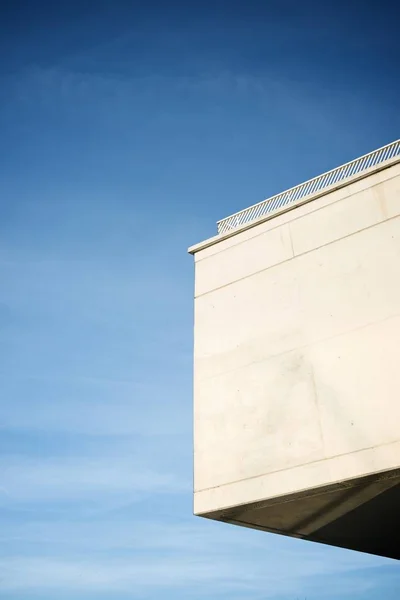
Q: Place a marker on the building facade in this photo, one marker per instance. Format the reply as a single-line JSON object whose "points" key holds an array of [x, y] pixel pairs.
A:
{"points": [[297, 361]]}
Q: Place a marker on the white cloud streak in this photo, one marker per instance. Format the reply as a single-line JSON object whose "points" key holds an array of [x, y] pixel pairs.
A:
{"points": [[275, 573], [110, 97], [50, 480], [144, 555], [48, 573], [116, 417]]}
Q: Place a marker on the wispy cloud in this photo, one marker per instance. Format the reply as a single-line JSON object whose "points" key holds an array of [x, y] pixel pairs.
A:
{"points": [[115, 98], [50, 480], [45, 574], [71, 360], [102, 416], [178, 554], [221, 572]]}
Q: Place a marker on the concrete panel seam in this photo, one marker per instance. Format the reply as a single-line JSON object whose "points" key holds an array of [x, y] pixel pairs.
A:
{"points": [[383, 220], [317, 491], [313, 462]]}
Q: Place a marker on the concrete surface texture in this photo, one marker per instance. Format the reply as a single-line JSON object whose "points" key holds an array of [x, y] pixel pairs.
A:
{"points": [[297, 368]]}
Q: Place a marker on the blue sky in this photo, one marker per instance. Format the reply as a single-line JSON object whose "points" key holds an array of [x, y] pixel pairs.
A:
{"points": [[126, 130]]}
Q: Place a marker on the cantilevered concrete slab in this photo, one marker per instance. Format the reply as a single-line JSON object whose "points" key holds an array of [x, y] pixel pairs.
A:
{"points": [[297, 361]]}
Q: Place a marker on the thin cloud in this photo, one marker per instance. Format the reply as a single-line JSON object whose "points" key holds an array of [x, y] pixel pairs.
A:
{"points": [[105, 416], [145, 555], [50, 480], [114, 98], [283, 573]]}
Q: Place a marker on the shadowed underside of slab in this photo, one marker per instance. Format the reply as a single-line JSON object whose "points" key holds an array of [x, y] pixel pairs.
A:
{"points": [[361, 515]]}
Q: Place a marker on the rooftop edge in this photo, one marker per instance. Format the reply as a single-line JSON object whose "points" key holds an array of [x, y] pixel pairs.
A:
{"points": [[316, 187]]}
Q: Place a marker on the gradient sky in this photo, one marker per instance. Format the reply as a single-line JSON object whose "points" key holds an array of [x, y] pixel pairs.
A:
{"points": [[126, 130]]}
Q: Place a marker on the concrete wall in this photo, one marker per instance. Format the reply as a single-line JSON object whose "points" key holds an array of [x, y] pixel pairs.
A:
{"points": [[297, 348]]}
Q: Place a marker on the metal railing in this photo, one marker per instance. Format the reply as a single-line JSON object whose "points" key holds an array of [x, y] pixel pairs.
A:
{"points": [[312, 186]]}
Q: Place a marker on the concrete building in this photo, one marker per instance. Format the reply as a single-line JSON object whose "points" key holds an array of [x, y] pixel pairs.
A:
{"points": [[297, 361]]}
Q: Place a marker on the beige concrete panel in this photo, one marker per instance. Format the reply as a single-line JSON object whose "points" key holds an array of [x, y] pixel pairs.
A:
{"points": [[264, 417], [357, 378], [242, 260], [348, 284], [300, 478], [365, 462], [254, 420], [335, 221], [247, 321], [388, 195], [389, 173]]}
